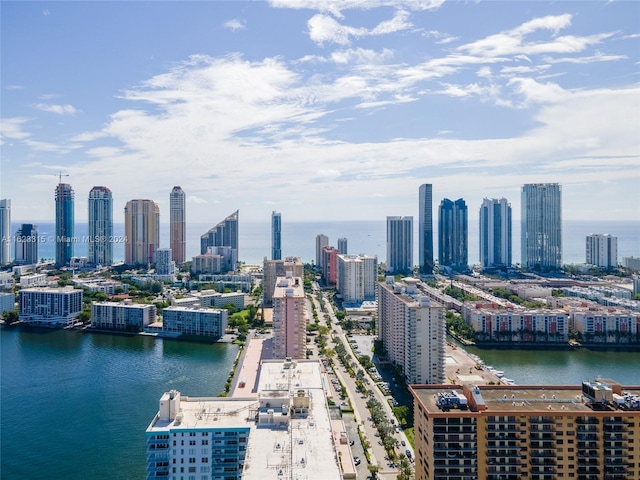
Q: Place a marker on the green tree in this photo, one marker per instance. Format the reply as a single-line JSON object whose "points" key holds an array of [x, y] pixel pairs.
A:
{"points": [[11, 317]]}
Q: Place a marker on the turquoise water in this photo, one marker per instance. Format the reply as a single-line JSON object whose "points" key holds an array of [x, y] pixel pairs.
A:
{"points": [[76, 405]]}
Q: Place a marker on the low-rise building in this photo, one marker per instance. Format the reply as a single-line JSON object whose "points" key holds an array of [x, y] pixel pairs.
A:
{"points": [[50, 307], [126, 316], [606, 325], [194, 320], [33, 280], [7, 302]]}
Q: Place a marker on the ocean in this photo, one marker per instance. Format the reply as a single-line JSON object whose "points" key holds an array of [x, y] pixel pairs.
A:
{"points": [[368, 237]]}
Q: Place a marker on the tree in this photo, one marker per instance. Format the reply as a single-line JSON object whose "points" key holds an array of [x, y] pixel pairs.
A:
{"points": [[11, 317]]}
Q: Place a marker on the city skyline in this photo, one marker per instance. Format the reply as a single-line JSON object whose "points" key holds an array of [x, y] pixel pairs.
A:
{"points": [[334, 103]]}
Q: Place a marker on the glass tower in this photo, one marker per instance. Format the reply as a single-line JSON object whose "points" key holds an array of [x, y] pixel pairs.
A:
{"points": [[100, 226], [452, 234], [177, 225], [495, 233], [541, 233], [64, 224], [425, 228], [399, 244], [276, 236]]}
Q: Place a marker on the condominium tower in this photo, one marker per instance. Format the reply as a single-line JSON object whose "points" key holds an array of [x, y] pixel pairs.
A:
{"points": [[399, 244], [602, 250], [272, 269], [100, 245], [342, 246], [224, 234], [26, 244], [357, 278], [177, 225], [321, 242], [499, 432], [5, 231], [411, 328], [276, 235], [64, 224], [495, 233], [142, 231], [289, 320], [425, 228], [453, 250], [541, 231]]}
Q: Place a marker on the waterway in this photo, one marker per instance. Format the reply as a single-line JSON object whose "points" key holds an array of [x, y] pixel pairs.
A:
{"points": [[76, 405], [562, 367]]}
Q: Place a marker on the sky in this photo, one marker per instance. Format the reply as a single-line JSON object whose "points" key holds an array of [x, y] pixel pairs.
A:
{"points": [[321, 110]]}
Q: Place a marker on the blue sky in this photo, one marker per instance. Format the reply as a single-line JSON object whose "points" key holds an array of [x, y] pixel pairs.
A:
{"points": [[322, 110]]}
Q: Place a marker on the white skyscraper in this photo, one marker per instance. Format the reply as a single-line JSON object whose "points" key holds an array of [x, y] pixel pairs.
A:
{"points": [[399, 244], [495, 233], [602, 250], [541, 231], [357, 277], [5, 231], [177, 225], [100, 246]]}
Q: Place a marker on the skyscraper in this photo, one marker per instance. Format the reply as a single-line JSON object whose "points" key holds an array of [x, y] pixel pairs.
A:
{"points": [[224, 234], [342, 246], [289, 322], [425, 228], [495, 233], [64, 224], [276, 236], [5, 231], [399, 244], [602, 250], [452, 234], [100, 226], [142, 231], [177, 225], [26, 244], [321, 242], [541, 232]]}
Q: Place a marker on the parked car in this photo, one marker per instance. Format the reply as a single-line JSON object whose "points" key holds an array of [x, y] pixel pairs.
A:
{"points": [[356, 460]]}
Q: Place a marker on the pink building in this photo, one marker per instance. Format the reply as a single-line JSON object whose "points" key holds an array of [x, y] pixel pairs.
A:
{"points": [[289, 320], [330, 264]]}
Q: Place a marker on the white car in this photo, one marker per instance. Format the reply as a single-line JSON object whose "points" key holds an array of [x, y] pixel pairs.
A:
{"points": [[356, 460]]}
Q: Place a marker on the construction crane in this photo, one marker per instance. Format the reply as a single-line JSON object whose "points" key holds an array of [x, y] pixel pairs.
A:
{"points": [[60, 175]]}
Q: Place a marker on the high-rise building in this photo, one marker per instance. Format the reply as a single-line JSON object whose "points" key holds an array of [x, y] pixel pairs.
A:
{"points": [[5, 231], [224, 234], [399, 244], [536, 432], [357, 278], [289, 321], [425, 228], [26, 244], [130, 317], [495, 233], [195, 320], [541, 231], [100, 245], [602, 250], [453, 250], [141, 231], [64, 224], [50, 307], [272, 269], [276, 235], [321, 242], [178, 225], [330, 265], [342, 246], [411, 328], [164, 264]]}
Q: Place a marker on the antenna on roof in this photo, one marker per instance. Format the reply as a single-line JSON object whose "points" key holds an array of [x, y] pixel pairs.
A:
{"points": [[60, 175]]}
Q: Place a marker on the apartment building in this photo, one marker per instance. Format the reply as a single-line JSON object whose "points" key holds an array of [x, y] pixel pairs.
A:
{"points": [[412, 330], [272, 269], [194, 320], [50, 307], [127, 316], [289, 319], [583, 432], [356, 277]]}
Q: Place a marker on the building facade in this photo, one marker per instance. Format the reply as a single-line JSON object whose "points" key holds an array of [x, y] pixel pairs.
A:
{"points": [[541, 231], [5, 231], [195, 320], [289, 319], [272, 269], [142, 231], [164, 263], [602, 250], [127, 316], [330, 265], [224, 234], [64, 224], [425, 228], [343, 246], [321, 242], [453, 249], [276, 235], [178, 225], [495, 233], [412, 330], [7, 302], [399, 244], [50, 307], [357, 278], [100, 245], [26, 244], [527, 432]]}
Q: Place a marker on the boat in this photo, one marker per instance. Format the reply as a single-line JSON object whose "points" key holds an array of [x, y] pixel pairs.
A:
{"points": [[498, 373]]}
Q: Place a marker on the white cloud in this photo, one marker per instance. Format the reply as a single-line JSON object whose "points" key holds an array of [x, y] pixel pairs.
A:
{"points": [[196, 200], [59, 109], [12, 128], [336, 7], [535, 92], [234, 25]]}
